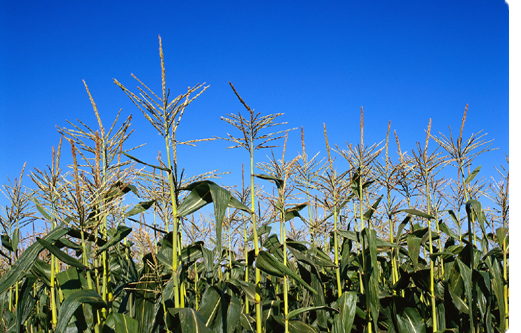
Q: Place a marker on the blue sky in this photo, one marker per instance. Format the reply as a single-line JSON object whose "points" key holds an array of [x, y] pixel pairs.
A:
{"points": [[402, 61]]}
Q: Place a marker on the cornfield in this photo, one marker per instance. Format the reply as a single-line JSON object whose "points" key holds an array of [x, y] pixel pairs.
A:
{"points": [[390, 244]]}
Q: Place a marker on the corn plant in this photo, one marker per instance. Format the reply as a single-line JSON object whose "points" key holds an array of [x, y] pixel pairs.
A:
{"points": [[387, 241]]}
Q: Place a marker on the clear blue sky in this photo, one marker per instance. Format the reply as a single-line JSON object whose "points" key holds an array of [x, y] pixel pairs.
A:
{"points": [[404, 61]]}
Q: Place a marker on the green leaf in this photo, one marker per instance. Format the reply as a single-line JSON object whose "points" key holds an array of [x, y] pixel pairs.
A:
{"points": [[26, 303], [27, 259], [69, 281], [71, 303], [372, 209], [139, 208], [41, 209], [189, 321], [247, 287], [264, 229], [501, 233], [457, 289], [402, 225], [309, 308], [293, 212], [150, 165], [300, 327], [445, 228], [120, 233], [119, 189], [497, 284], [472, 175], [220, 198], [416, 213], [15, 239], [473, 208], [453, 217], [278, 182], [343, 321], [201, 194], [6, 242], [407, 317], [413, 245], [42, 270], [268, 264], [120, 323], [372, 282], [61, 255], [64, 242]]}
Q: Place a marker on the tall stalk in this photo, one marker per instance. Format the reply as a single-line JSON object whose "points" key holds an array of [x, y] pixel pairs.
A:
{"points": [[427, 171], [250, 128], [333, 180], [361, 166], [165, 116]]}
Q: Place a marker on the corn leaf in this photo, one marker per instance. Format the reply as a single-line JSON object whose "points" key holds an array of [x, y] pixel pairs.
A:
{"points": [[120, 323], [140, 208], [75, 300], [343, 321], [61, 255], [268, 264], [27, 259], [119, 234], [472, 175], [150, 165], [188, 320]]}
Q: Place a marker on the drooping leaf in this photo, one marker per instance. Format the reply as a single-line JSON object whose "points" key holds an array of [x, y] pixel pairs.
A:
{"points": [[140, 208], [416, 213], [120, 323], [69, 281], [292, 212], [145, 298], [27, 259], [273, 245], [413, 245], [278, 182], [15, 239], [221, 198], [371, 285], [262, 230], [6, 242], [119, 189], [60, 254], [295, 326], [119, 234], [71, 303], [407, 317], [42, 270], [203, 193], [270, 265], [150, 165], [343, 321], [64, 242], [447, 230], [296, 312], [26, 302], [247, 287], [41, 209], [189, 321], [497, 284], [472, 175], [369, 213], [501, 233]]}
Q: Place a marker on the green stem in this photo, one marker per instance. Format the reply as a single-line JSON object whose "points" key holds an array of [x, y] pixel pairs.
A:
{"points": [[258, 305], [431, 263], [175, 222]]}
